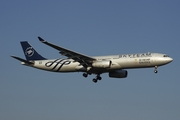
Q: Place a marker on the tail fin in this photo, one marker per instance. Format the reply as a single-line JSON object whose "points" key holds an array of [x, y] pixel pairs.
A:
{"points": [[30, 53]]}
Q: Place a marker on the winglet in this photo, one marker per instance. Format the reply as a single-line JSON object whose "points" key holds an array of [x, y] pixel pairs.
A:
{"points": [[40, 39]]}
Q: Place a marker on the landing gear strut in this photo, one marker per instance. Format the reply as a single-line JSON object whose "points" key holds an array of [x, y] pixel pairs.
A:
{"points": [[156, 71], [98, 77]]}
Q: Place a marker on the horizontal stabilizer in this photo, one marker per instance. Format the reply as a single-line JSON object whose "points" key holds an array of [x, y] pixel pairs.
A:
{"points": [[23, 60]]}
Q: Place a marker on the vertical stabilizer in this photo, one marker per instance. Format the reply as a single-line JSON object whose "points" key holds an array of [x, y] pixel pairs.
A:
{"points": [[29, 52]]}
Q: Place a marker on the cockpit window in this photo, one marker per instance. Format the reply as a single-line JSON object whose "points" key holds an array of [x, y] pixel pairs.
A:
{"points": [[165, 56]]}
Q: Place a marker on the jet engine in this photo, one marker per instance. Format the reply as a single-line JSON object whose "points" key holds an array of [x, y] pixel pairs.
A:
{"points": [[118, 74], [102, 64]]}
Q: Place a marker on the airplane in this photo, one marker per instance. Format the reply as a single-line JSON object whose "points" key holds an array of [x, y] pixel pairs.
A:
{"points": [[115, 65]]}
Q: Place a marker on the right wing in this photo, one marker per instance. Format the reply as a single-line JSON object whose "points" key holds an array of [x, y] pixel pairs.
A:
{"points": [[82, 59]]}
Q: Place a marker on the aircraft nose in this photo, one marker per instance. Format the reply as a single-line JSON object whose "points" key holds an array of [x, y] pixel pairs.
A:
{"points": [[169, 60]]}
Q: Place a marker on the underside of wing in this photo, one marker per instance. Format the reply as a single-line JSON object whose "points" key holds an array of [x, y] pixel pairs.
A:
{"points": [[82, 59]]}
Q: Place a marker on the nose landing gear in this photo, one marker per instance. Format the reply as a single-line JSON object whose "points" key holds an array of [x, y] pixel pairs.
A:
{"points": [[156, 71]]}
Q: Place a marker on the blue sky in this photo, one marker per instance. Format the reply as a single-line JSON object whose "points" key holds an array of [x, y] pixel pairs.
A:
{"points": [[93, 28]]}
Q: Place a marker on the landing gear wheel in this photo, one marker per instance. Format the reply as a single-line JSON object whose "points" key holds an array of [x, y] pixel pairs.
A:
{"points": [[85, 74], [99, 78], [95, 80]]}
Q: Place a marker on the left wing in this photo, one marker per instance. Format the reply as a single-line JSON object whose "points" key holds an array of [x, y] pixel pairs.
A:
{"points": [[82, 59]]}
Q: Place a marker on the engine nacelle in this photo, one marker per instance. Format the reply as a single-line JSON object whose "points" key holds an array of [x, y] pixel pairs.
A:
{"points": [[118, 74], [102, 64]]}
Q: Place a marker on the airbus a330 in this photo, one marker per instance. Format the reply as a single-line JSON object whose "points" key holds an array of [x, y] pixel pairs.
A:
{"points": [[114, 65]]}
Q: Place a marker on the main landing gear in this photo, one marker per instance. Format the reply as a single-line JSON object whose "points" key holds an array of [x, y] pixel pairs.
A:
{"points": [[85, 75], [98, 77], [156, 71]]}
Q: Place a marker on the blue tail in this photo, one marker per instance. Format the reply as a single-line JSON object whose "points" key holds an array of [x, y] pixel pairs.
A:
{"points": [[30, 53]]}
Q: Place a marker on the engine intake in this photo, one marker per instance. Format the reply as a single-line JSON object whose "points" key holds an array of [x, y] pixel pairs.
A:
{"points": [[102, 64], [118, 74]]}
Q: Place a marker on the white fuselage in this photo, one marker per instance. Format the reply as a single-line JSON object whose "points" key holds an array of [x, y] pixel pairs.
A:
{"points": [[124, 61]]}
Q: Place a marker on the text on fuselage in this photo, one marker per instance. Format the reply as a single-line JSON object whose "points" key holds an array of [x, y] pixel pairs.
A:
{"points": [[135, 55], [144, 61]]}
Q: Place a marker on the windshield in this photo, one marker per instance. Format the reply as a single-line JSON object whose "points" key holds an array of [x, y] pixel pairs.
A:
{"points": [[165, 56]]}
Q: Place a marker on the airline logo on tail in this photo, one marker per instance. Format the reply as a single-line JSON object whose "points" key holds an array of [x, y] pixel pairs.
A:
{"points": [[29, 51]]}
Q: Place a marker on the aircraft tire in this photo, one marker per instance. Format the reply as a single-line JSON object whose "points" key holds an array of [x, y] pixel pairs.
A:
{"points": [[95, 80], [155, 71], [99, 78], [85, 75]]}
